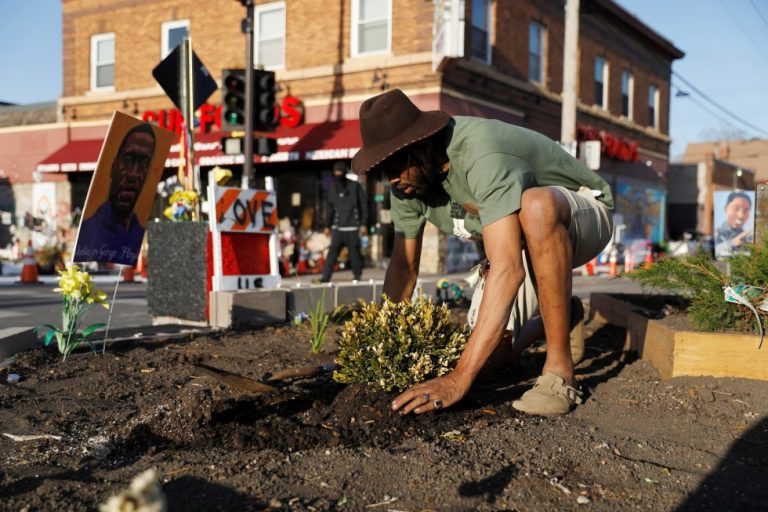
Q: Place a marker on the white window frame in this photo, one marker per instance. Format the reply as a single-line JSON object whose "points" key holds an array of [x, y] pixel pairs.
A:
{"points": [[354, 38], [95, 39], [606, 82], [656, 100], [630, 94], [258, 10], [542, 55], [489, 30], [165, 29]]}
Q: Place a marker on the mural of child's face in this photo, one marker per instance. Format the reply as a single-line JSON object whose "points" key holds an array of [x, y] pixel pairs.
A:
{"points": [[737, 212]]}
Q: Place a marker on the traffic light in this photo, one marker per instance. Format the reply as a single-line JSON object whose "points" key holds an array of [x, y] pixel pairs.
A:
{"points": [[233, 99], [264, 115]]}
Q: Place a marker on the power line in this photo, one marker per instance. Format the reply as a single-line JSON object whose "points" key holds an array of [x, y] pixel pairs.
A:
{"points": [[704, 107], [720, 107], [765, 20], [759, 48]]}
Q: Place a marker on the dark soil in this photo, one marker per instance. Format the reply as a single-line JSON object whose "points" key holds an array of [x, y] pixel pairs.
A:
{"points": [[638, 443]]}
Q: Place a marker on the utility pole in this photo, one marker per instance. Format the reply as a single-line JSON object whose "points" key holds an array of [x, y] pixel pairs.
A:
{"points": [[570, 75], [247, 28]]}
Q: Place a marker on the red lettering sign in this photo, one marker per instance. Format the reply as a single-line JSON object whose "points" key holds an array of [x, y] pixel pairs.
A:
{"points": [[611, 146], [290, 112]]}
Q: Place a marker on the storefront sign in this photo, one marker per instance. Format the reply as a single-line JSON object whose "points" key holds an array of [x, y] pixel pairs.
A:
{"points": [[612, 146], [290, 112]]}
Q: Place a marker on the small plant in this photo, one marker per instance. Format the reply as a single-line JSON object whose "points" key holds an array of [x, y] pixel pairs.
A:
{"points": [[78, 294], [395, 345], [318, 324], [698, 279]]}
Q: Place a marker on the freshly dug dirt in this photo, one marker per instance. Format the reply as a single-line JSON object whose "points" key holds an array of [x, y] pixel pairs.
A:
{"points": [[638, 443]]}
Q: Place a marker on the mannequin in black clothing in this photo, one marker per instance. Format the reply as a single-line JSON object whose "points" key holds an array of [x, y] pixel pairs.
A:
{"points": [[347, 218]]}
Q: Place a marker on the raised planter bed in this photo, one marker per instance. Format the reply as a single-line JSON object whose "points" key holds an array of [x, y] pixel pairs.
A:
{"points": [[673, 346]]}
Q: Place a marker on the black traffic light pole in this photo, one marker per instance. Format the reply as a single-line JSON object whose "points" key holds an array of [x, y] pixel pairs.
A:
{"points": [[247, 27]]}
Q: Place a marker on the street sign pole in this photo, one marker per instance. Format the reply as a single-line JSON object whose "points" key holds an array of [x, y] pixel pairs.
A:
{"points": [[247, 27], [186, 95]]}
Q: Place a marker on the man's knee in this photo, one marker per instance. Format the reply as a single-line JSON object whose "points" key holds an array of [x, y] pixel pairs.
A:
{"points": [[542, 208]]}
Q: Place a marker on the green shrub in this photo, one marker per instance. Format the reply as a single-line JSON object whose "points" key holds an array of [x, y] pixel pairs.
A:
{"points": [[698, 279], [395, 345]]}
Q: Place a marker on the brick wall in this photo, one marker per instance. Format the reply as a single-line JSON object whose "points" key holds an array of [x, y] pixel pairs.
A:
{"points": [[318, 46]]}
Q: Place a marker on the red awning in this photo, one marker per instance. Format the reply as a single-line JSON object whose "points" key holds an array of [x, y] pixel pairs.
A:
{"points": [[77, 155], [317, 141]]}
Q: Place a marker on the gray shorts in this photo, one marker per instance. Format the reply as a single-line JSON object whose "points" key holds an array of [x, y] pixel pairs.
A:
{"points": [[590, 231]]}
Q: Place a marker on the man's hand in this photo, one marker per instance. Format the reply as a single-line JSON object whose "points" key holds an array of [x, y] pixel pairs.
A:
{"points": [[432, 395], [363, 230]]}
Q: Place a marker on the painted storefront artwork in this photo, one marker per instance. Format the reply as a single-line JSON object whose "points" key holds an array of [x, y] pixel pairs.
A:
{"points": [[643, 210]]}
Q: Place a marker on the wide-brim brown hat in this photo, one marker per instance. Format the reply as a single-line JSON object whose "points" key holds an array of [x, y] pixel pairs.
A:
{"points": [[389, 122]]}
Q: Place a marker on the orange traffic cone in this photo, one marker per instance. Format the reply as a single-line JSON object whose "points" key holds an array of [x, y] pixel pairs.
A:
{"points": [[29, 270], [141, 266], [648, 263], [589, 267], [612, 259], [129, 274]]}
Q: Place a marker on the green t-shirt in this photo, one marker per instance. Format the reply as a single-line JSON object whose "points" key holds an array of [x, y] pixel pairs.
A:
{"points": [[491, 164]]}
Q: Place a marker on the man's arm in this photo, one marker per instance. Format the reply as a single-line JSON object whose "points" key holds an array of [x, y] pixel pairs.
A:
{"points": [[403, 269], [503, 246]]}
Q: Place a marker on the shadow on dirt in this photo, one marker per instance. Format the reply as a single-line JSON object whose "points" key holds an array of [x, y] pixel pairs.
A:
{"points": [[739, 481], [31, 483], [491, 486], [192, 493]]}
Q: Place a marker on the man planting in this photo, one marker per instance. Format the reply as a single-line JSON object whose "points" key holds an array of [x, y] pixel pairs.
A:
{"points": [[539, 211]]}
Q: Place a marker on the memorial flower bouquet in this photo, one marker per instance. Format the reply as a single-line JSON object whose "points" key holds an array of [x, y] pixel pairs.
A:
{"points": [[78, 294], [181, 205]]}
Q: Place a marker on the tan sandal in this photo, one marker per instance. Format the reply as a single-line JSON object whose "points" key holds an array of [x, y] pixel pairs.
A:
{"points": [[550, 396]]}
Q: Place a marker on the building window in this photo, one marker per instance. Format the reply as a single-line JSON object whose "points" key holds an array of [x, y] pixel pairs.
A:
{"points": [[536, 53], [479, 37], [172, 34], [269, 35], [627, 94], [601, 83], [103, 62], [371, 26], [653, 106]]}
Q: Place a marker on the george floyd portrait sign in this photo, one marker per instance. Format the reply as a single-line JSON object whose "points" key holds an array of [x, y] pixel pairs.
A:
{"points": [[122, 190]]}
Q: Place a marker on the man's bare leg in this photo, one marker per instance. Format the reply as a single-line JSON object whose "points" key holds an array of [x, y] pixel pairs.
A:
{"points": [[544, 218], [513, 344]]}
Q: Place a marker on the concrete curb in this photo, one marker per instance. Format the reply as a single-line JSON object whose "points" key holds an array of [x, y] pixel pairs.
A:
{"points": [[17, 339], [251, 308]]}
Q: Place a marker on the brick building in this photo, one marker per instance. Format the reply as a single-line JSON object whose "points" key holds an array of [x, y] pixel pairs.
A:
{"points": [[493, 58]]}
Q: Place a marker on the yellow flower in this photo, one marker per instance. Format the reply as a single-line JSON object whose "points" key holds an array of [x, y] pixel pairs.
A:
{"points": [[77, 285]]}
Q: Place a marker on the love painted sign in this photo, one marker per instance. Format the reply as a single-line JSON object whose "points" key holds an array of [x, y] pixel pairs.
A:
{"points": [[245, 211]]}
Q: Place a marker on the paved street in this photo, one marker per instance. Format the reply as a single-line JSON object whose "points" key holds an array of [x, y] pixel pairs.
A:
{"points": [[31, 305]]}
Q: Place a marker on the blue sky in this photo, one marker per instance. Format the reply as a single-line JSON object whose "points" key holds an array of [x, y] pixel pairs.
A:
{"points": [[725, 41]]}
